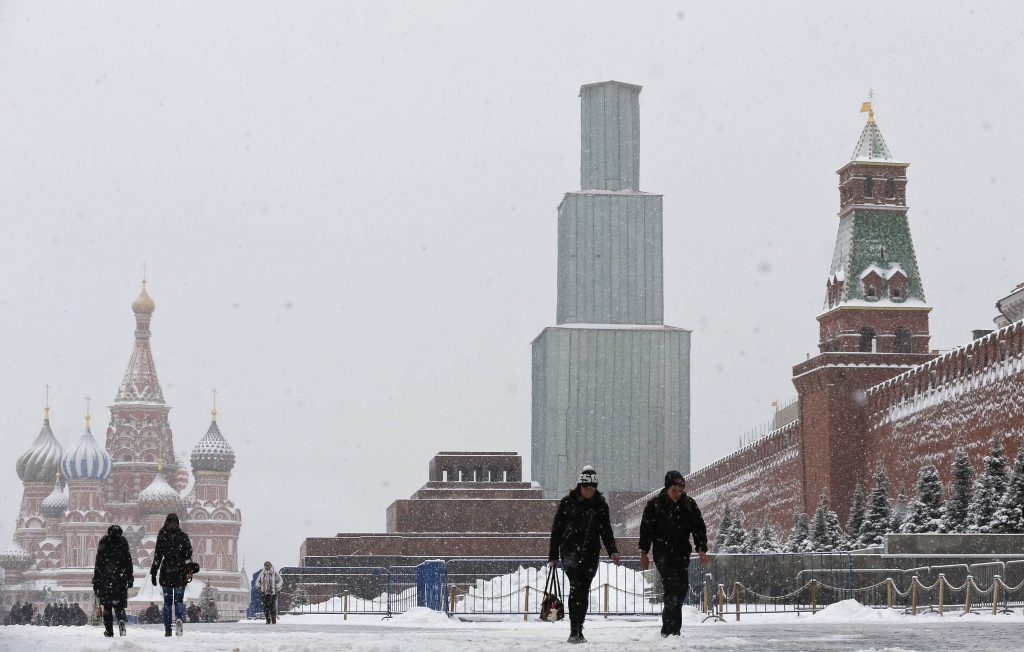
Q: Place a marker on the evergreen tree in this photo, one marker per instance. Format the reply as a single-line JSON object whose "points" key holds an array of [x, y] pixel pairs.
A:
{"points": [[769, 540], [856, 519], [736, 537], [723, 528], [299, 597], [925, 512], [878, 514], [954, 516], [989, 489], [798, 537], [753, 542], [826, 535], [899, 509], [1009, 518]]}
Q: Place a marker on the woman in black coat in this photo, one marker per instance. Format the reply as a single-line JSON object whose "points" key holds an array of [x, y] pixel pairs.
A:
{"points": [[581, 525], [112, 577], [173, 549]]}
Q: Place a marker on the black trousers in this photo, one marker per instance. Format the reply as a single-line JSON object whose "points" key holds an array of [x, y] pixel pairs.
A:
{"points": [[109, 611], [580, 573], [270, 607], [676, 582]]}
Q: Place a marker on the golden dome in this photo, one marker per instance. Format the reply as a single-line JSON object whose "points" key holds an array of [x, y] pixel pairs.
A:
{"points": [[144, 304]]}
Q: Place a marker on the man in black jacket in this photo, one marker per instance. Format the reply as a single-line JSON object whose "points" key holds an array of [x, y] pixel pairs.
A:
{"points": [[111, 578], [581, 524], [669, 520]]}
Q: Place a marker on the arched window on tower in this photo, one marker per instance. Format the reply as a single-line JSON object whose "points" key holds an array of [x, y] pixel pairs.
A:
{"points": [[868, 341], [904, 342]]}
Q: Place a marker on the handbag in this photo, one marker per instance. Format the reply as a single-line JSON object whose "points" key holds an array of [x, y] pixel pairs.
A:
{"points": [[191, 568], [551, 607]]}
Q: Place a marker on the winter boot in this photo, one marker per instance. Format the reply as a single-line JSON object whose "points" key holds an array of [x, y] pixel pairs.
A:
{"points": [[121, 627], [179, 629], [108, 633]]}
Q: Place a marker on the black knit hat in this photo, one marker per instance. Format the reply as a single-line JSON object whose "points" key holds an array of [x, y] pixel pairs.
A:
{"points": [[674, 477], [588, 477]]}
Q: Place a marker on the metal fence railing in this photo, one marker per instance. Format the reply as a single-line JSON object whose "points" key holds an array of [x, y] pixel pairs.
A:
{"points": [[731, 585]]}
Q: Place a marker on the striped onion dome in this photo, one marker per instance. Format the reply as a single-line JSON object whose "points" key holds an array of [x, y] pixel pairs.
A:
{"points": [[159, 497], [213, 452], [42, 461], [54, 505], [87, 460], [14, 557]]}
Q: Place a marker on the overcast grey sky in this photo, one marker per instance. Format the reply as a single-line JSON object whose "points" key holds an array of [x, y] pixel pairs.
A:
{"points": [[348, 212]]}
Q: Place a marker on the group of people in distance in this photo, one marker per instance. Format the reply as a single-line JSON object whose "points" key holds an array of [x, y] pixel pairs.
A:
{"points": [[582, 523], [113, 574]]}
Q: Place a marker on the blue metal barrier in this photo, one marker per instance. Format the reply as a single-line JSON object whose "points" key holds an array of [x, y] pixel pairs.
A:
{"points": [[432, 585]]}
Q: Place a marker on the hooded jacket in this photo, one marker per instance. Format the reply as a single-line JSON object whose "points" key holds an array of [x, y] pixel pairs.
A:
{"points": [[668, 526], [114, 571], [173, 549], [580, 526], [269, 582]]}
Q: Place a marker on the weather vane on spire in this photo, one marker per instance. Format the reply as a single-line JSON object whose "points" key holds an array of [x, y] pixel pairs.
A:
{"points": [[213, 412], [88, 416], [866, 106]]}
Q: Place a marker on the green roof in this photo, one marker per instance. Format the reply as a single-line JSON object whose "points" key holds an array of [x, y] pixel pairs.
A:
{"points": [[875, 240]]}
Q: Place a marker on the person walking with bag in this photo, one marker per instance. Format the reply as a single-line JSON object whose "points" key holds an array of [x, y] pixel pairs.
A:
{"points": [[269, 583], [582, 524], [668, 522], [173, 549], [113, 574]]}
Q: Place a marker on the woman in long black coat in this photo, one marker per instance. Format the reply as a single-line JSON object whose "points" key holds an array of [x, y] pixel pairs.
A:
{"points": [[173, 549], [112, 577]]}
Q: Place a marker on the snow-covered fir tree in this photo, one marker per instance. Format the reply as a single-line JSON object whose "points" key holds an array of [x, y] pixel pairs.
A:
{"points": [[768, 540], [753, 540], [736, 537], [856, 518], [954, 514], [798, 537], [989, 489], [299, 597], [724, 526], [878, 513], [924, 514], [899, 509], [826, 535], [1009, 518]]}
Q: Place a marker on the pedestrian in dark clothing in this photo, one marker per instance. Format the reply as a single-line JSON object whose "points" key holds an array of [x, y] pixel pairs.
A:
{"points": [[582, 524], [27, 611], [269, 583], [192, 612], [15, 616], [151, 615], [78, 616], [173, 549], [113, 574], [668, 522]]}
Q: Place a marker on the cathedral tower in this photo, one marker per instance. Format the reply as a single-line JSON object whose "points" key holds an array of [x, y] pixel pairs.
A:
{"points": [[611, 382], [874, 323]]}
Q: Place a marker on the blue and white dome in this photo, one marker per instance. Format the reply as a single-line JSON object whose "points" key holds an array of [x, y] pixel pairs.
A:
{"points": [[87, 460], [54, 505], [42, 461]]}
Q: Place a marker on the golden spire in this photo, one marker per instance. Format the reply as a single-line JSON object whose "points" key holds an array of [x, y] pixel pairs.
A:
{"points": [[866, 106], [213, 412], [46, 410], [88, 416]]}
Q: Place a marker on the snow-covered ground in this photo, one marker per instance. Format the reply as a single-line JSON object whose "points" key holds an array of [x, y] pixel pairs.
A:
{"points": [[843, 626]]}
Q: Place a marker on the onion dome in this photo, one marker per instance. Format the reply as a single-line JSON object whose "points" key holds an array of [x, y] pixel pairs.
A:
{"points": [[87, 460], [159, 497], [180, 478], [42, 461], [213, 452], [14, 557], [143, 305], [54, 505]]}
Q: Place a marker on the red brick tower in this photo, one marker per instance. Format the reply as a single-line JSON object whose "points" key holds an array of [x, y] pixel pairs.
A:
{"points": [[874, 324]]}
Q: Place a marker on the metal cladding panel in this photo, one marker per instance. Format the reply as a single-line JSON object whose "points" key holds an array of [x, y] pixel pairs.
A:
{"points": [[610, 259], [610, 137], [616, 398]]}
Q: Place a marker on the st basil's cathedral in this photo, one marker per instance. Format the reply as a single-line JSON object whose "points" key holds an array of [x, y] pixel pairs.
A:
{"points": [[134, 480]]}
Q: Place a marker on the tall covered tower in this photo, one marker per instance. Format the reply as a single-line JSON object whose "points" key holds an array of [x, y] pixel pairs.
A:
{"points": [[611, 382], [139, 435], [874, 322]]}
